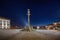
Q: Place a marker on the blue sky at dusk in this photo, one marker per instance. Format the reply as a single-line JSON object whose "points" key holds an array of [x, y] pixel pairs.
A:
{"points": [[43, 12]]}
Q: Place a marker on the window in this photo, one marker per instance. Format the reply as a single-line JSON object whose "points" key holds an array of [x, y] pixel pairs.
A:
{"points": [[0, 22], [4, 22], [8, 23]]}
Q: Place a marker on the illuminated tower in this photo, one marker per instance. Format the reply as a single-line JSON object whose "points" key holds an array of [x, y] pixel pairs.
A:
{"points": [[29, 19]]}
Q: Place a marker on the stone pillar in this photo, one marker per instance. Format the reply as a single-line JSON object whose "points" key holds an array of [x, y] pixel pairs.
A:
{"points": [[29, 20], [2, 24], [6, 24]]}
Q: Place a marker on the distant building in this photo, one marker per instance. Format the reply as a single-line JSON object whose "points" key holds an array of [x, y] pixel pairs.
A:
{"points": [[53, 26], [42, 27], [38, 27], [4, 23], [57, 24], [34, 27], [49, 27]]}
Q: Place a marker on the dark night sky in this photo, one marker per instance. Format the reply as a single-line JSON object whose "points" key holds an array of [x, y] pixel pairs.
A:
{"points": [[43, 12]]}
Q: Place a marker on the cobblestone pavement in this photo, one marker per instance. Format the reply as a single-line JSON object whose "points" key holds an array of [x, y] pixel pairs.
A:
{"points": [[35, 35]]}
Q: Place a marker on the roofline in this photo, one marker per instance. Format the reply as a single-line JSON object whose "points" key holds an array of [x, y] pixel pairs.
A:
{"points": [[4, 18]]}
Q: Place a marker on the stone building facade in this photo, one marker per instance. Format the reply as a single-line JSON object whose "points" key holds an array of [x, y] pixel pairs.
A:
{"points": [[4, 23], [53, 26]]}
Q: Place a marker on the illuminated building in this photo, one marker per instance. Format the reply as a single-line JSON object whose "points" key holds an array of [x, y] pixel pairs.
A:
{"points": [[53, 26], [49, 27], [38, 27], [4, 23], [57, 25]]}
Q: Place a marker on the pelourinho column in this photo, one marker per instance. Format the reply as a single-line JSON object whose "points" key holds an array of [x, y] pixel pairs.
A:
{"points": [[29, 19]]}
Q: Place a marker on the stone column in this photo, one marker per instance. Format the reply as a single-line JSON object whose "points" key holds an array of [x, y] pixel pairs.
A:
{"points": [[29, 20], [6, 24], [2, 24]]}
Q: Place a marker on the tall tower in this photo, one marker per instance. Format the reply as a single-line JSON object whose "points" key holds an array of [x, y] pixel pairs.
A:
{"points": [[29, 19]]}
